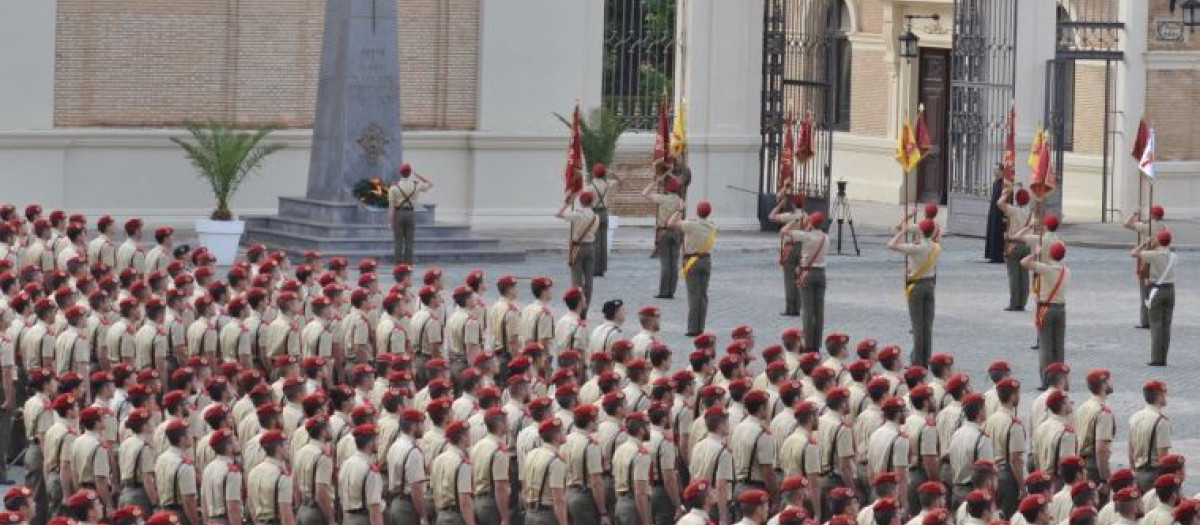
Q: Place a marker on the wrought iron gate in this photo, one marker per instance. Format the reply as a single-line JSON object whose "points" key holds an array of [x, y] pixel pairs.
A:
{"points": [[797, 61], [1088, 32], [982, 75]]}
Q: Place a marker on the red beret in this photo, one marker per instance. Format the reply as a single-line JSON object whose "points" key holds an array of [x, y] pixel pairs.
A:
{"points": [[1167, 481], [455, 429], [932, 487], [648, 311], [1155, 386], [1058, 250], [793, 482], [567, 390], [957, 381], [367, 429], [1081, 487], [756, 396], [705, 339], [1057, 368], [999, 366], [16, 492], [218, 436], [92, 414], [885, 478], [83, 498], [914, 372], [1031, 503], [1037, 476], [754, 497], [540, 403], [549, 425], [1098, 374], [695, 489], [267, 409], [272, 436], [885, 504], [703, 209], [1119, 476], [63, 401], [920, 392], [1008, 384], [176, 424], [837, 392], [942, 359], [805, 406], [939, 516], [978, 496], [1186, 510], [1071, 460], [542, 281], [1127, 494], [791, 333], [162, 517], [889, 352], [893, 402], [985, 464], [1079, 513]]}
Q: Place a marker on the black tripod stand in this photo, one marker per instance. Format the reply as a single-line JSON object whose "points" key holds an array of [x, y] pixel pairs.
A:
{"points": [[841, 213]]}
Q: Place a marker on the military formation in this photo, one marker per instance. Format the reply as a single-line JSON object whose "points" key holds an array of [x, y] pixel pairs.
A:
{"points": [[144, 385]]}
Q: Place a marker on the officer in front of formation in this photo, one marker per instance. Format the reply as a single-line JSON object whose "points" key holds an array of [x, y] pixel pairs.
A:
{"points": [[403, 196]]}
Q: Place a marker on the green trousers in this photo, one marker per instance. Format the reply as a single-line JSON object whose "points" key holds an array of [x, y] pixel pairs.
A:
{"points": [[1162, 312], [584, 270], [1018, 277], [1052, 336], [812, 299], [601, 244], [920, 313], [668, 261], [697, 287], [404, 232], [791, 291]]}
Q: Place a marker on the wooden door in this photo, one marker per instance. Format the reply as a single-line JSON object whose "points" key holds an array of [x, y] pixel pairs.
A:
{"points": [[934, 93]]}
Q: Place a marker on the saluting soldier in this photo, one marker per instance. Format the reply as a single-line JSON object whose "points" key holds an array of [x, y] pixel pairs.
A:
{"points": [[175, 476], [789, 254], [402, 202], [666, 240], [699, 234], [269, 486], [1156, 255], [1051, 316], [544, 477], [360, 485], [1096, 425], [1017, 216], [1149, 434], [451, 478], [581, 252], [810, 273], [602, 185], [919, 284], [221, 482], [1144, 230], [407, 479]]}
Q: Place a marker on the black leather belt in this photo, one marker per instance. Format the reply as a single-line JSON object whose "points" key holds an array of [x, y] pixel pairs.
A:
{"points": [[357, 511]]}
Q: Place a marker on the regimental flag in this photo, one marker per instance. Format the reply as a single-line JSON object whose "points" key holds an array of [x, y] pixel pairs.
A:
{"points": [[908, 153], [1039, 138], [787, 165], [662, 139], [1148, 162], [572, 174], [924, 143], [1010, 145], [679, 134], [1043, 180], [804, 146], [1140, 141]]}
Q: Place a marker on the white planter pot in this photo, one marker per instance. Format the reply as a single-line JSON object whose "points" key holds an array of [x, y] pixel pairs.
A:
{"points": [[221, 238]]}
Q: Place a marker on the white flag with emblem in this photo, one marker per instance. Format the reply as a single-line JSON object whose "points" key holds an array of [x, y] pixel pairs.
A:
{"points": [[1147, 164]]}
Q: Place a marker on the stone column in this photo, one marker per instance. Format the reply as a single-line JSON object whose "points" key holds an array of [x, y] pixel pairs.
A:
{"points": [[1036, 27], [27, 36], [1130, 103]]}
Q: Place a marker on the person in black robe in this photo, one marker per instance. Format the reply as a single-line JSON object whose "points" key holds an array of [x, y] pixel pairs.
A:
{"points": [[993, 248]]}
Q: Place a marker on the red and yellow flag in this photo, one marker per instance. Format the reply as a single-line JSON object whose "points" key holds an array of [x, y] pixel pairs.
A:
{"points": [[1141, 140], [1010, 144], [787, 165], [679, 131], [908, 153], [804, 145], [1043, 180], [572, 175], [662, 139], [1039, 139]]}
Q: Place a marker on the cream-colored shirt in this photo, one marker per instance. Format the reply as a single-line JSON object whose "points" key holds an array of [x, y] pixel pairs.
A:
{"points": [[753, 446], [1143, 425], [917, 254], [135, 458], [1018, 217], [490, 462], [202, 338], [449, 476], [800, 454], [406, 464], [220, 483], [537, 323], [1050, 273], [1163, 263], [968, 445], [544, 470], [712, 460], [583, 224], [175, 477], [1007, 433], [268, 487], [887, 449], [815, 246], [426, 330], [835, 438], [571, 333], [696, 233], [391, 336], [504, 318], [1094, 422], [405, 192], [70, 349], [582, 455], [667, 205], [89, 458], [630, 464], [463, 330], [1053, 440]]}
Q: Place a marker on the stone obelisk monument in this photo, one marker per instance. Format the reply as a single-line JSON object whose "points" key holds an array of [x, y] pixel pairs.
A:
{"points": [[356, 134]]}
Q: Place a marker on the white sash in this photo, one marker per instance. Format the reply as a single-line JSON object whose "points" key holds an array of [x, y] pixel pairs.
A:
{"points": [[1163, 275]]}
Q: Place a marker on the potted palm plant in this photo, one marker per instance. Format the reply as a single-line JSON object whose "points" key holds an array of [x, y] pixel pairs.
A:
{"points": [[224, 157]]}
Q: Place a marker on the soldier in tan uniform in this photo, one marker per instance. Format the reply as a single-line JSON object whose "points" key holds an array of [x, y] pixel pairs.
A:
{"points": [[71, 348], [360, 484], [235, 338], [571, 330], [582, 453], [283, 336], [920, 284], [581, 252], [313, 470], [158, 257], [1096, 426], [1156, 255], [1149, 434], [1144, 230], [789, 256], [812, 244], [269, 485], [491, 462], [407, 479], [968, 444], [504, 318], [544, 478], [89, 457], [57, 439], [631, 473], [888, 446], [699, 235], [129, 254], [221, 482], [754, 448], [835, 439], [391, 334], [1008, 436], [175, 475], [136, 462], [537, 321], [402, 203], [800, 453], [667, 241], [712, 461], [1018, 216], [1051, 318], [102, 248], [464, 331], [451, 479], [921, 427], [425, 330], [38, 417], [697, 499], [1054, 438]]}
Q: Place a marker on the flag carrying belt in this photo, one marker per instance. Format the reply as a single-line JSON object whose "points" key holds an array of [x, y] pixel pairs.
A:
{"points": [[691, 258], [924, 268], [1044, 306]]}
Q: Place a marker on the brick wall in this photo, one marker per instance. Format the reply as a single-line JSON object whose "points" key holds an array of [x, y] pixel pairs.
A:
{"points": [[1170, 108], [1089, 107], [1160, 12], [150, 63], [868, 94]]}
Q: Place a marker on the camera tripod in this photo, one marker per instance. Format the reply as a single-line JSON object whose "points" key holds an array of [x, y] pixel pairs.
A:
{"points": [[842, 214]]}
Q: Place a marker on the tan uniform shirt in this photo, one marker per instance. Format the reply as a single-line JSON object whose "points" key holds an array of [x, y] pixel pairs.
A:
{"points": [[815, 246], [89, 458], [406, 464], [835, 438], [1149, 431], [668, 204], [537, 323], [37, 346], [712, 460], [583, 225], [582, 455], [949, 419], [57, 444], [202, 337], [358, 332], [1050, 273], [463, 329], [887, 449], [391, 336], [490, 462], [544, 471], [283, 337], [235, 341], [135, 458], [504, 318], [631, 464], [571, 333], [917, 254], [922, 434], [174, 476], [1007, 433], [1053, 439], [102, 249], [696, 233], [221, 483], [800, 454], [968, 445], [313, 466], [1094, 422], [268, 487], [404, 192], [753, 446], [450, 476], [1018, 218], [38, 417], [425, 330], [70, 349], [1161, 265], [130, 254], [157, 258]]}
